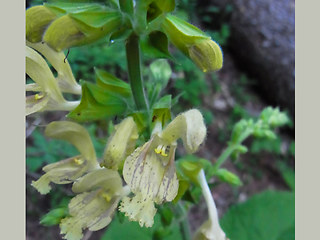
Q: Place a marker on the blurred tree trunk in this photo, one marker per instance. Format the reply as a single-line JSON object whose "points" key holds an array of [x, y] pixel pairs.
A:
{"points": [[262, 42]]}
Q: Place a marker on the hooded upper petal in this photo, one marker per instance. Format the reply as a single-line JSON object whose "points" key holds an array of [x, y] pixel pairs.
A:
{"points": [[190, 127], [75, 134]]}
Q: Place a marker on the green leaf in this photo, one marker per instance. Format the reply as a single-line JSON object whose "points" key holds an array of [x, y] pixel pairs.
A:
{"points": [[264, 216], [164, 102], [54, 216], [141, 119], [161, 71], [61, 7], [288, 234], [159, 41], [161, 111], [165, 5], [273, 117], [111, 83], [183, 187], [155, 46], [288, 174], [229, 177], [97, 104], [95, 19]]}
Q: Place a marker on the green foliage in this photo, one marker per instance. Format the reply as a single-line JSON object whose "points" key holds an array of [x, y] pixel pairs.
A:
{"points": [[287, 173], [266, 144], [122, 229], [192, 89], [102, 55], [44, 151], [265, 216], [54, 216]]}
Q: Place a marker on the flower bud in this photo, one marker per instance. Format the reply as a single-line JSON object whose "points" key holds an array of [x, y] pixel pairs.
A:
{"points": [[206, 54], [194, 43], [75, 30], [37, 20]]}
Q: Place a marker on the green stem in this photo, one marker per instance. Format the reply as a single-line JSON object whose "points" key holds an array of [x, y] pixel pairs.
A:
{"points": [[134, 71], [228, 151], [184, 225], [184, 228], [126, 6], [224, 156]]}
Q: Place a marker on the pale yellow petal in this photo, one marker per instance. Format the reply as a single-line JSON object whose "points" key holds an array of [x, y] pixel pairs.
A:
{"points": [[33, 87], [66, 171], [145, 172], [106, 179], [42, 184], [139, 209], [65, 78], [190, 127], [36, 103], [76, 135], [88, 210], [39, 71], [121, 143]]}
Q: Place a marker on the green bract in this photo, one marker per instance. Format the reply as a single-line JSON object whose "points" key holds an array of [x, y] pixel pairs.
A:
{"points": [[194, 43]]}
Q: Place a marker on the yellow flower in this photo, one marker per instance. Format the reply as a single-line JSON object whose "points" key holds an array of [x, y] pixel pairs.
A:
{"points": [[67, 171], [49, 88], [99, 193], [150, 171]]}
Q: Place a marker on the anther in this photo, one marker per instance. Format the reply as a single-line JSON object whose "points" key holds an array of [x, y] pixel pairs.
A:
{"points": [[38, 96]]}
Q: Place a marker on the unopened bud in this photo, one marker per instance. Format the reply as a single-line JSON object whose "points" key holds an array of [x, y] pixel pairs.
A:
{"points": [[37, 20], [207, 55]]}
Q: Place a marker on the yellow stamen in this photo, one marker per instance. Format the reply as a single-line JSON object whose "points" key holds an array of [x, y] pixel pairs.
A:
{"points": [[78, 161], [163, 151], [158, 150], [38, 96], [106, 196]]}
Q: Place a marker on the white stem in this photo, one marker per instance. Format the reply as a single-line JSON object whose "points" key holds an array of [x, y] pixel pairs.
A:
{"points": [[212, 209]]}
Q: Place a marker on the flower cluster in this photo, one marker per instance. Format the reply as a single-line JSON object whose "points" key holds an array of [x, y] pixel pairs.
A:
{"points": [[148, 171]]}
